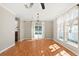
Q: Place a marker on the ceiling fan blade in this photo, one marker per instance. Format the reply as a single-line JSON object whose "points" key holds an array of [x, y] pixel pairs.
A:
{"points": [[42, 5]]}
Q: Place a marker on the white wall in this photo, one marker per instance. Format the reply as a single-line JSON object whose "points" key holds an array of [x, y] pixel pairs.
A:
{"points": [[48, 29], [22, 30], [27, 29], [7, 28], [54, 29]]}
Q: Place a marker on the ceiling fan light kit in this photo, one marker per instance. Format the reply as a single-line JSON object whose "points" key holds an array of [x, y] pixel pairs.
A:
{"points": [[31, 4], [28, 6]]}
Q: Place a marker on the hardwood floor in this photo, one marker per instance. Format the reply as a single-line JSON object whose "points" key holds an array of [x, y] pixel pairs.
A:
{"points": [[42, 47]]}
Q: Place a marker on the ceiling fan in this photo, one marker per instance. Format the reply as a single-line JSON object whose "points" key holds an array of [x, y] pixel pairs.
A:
{"points": [[42, 5], [31, 4]]}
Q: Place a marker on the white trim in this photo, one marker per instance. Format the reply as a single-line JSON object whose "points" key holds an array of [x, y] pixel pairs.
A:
{"points": [[7, 48], [20, 40], [49, 38], [33, 30], [34, 39], [24, 39], [7, 9]]}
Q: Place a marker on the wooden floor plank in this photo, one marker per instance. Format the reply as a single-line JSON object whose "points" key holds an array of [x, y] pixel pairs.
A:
{"points": [[42, 47]]}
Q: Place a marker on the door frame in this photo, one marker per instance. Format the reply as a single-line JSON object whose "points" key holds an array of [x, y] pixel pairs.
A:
{"points": [[33, 25]]}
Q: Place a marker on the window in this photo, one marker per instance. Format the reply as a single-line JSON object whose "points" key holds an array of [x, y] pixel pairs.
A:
{"points": [[38, 30], [72, 28], [72, 38], [67, 27]]}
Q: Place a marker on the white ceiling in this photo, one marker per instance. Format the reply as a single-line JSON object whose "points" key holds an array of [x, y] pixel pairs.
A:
{"points": [[52, 10]]}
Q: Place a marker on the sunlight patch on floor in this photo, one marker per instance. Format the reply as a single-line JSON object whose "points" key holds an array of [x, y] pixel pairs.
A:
{"points": [[42, 51], [54, 47], [62, 53]]}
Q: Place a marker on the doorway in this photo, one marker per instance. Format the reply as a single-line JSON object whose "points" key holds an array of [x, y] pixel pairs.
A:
{"points": [[17, 31], [37, 30], [16, 36]]}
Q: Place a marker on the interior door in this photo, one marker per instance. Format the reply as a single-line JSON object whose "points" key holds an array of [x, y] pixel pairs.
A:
{"points": [[38, 31]]}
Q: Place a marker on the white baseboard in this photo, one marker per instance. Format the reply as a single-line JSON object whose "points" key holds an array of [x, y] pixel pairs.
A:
{"points": [[20, 40], [27, 38], [7, 48], [24, 39], [48, 38]]}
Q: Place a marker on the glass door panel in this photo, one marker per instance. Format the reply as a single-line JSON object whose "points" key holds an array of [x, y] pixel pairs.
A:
{"points": [[72, 38], [38, 30]]}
